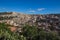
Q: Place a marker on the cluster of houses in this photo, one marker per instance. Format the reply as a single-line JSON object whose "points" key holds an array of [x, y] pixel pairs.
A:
{"points": [[47, 22]]}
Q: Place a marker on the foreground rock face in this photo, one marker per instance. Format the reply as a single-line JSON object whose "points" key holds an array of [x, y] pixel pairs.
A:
{"points": [[49, 22]]}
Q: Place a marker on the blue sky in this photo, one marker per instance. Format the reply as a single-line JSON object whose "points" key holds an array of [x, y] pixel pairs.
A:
{"points": [[30, 6]]}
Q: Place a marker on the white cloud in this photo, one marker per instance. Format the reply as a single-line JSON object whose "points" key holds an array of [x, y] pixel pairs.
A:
{"points": [[32, 11], [2, 8], [40, 9], [36, 10]]}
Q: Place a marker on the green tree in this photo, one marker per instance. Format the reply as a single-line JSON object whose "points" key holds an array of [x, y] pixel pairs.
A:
{"points": [[6, 34], [52, 36], [29, 31]]}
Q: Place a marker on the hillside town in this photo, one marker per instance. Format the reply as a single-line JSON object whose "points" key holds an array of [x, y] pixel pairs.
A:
{"points": [[19, 26], [49, 22]]}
